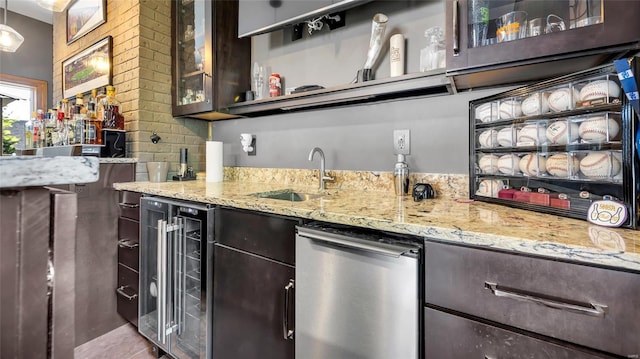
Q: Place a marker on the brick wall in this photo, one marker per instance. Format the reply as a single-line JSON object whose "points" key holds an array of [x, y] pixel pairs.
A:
{"points": [[141, 58]]}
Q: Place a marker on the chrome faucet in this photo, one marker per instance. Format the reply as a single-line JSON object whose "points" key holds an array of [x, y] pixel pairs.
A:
{"points": [[323, 177]]}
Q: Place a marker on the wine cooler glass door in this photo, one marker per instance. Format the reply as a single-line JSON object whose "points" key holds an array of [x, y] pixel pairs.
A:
{"points": [[188, 337], [152, 213]]}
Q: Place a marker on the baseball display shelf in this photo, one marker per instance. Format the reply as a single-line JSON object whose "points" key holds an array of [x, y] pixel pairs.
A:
{"points": [[563, 146]]}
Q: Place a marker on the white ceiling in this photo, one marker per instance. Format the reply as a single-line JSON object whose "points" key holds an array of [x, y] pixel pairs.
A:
{"points": [[27, 8]]}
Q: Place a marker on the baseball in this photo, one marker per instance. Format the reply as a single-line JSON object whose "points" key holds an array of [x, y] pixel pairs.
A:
{"points": [[488, 138], [599, 89], [507, 136], [535, 105], [510, 109], [563, 99], [488, 164], [532, 164], [600, 165], [509, 164], [487, 112], [489, 188], [562, 132], [562, 165], [598, 129], [531, 135]]}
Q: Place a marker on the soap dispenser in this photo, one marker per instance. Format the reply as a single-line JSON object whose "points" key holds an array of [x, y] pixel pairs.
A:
{"points": [[401, 176]]}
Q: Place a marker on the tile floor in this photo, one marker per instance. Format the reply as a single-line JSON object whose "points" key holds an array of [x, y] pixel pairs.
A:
{"points": [[121, 343]]}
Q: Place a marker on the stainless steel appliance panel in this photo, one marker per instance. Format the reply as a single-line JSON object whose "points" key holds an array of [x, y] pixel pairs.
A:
{"points": [[355, 298]]}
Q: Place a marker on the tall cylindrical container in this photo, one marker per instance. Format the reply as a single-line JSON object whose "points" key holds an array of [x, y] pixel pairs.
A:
{"points": [[396, 55], [215, 172]]}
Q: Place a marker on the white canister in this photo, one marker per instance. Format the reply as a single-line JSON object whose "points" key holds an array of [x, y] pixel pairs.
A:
{"points": [[396, 55]]}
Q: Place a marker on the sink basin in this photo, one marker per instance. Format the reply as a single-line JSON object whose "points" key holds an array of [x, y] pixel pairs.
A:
{"points": [[287, 195]]}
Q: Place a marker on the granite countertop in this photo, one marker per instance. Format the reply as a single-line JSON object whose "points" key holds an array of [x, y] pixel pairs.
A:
{"points": [[25, 171], [445, 219]]}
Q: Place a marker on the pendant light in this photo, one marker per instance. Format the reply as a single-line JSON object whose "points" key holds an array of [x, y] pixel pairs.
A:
{"points": [[54, 5], [10, 39]]}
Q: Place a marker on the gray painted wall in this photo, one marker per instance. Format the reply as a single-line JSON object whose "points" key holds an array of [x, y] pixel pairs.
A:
{"points": [[33, 58], [356, 137]]}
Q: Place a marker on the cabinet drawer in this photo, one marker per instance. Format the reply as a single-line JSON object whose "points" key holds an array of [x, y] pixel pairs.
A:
{"points": [[477, 340], [585, 305], [127, 293], [128, 229], [129, 204], [266, 235], [128, 253]]}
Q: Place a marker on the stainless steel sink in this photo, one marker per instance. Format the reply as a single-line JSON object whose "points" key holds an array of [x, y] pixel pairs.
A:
{"points": [[287, 195]]}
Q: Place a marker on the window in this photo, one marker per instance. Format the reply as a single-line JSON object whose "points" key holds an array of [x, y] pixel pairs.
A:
{"points": [[30, 94]]}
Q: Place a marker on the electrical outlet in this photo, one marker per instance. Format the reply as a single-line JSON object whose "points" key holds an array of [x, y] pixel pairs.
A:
{"points": [[401, 142]]}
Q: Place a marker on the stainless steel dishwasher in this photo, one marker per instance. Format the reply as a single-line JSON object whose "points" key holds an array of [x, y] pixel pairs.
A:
{"points": [[357, 294]]}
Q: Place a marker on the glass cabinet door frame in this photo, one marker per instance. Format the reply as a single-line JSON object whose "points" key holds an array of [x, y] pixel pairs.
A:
{"points": [[612, 34], [207, 70]]}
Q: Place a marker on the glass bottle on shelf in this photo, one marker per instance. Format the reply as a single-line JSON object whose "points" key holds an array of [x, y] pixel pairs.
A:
{"points": [[432, 57], [28, 133], [110, 110], [79, 120], [50, 128], [189, 33], [37, 129], [94, 126]]}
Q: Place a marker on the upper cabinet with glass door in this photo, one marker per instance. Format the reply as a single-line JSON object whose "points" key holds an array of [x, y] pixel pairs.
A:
{"points": [[491, 42], [211, 66]]}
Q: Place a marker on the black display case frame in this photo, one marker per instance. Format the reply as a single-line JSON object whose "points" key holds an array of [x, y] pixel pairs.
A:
{"points": [[624, 188]]}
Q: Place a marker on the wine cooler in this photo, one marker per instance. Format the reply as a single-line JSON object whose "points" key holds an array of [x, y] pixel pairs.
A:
{"points": [[176, 241]]}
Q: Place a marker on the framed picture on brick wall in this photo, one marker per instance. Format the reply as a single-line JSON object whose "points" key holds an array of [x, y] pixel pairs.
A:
{"points": [[90, 68], [84, 16]]}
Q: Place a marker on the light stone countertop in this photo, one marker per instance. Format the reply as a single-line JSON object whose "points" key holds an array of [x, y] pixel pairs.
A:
{"points": [[445, 219], [26, 171], [118, 160]]}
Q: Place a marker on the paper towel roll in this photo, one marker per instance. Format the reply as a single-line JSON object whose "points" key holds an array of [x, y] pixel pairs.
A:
{"points": [[215, 172]]}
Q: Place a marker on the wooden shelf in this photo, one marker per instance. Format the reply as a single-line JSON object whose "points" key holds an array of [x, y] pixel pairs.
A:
{"points": [[423, 84]]}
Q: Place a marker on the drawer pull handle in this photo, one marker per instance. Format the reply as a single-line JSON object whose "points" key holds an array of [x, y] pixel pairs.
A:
{"points": [[121, 292], [129, 205], [595, 310], [126, 244]]}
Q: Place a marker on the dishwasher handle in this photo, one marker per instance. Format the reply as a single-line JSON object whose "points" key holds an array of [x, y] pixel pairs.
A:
{"points": [[386, 249]]}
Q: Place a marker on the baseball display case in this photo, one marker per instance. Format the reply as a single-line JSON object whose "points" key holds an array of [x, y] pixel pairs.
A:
{"points": [[564, 146]]}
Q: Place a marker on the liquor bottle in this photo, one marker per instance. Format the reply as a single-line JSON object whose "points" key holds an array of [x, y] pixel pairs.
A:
{"points": [[28, 133], [110, 109], [37, 130], [94, 125], [79, 120], [50, 126]]}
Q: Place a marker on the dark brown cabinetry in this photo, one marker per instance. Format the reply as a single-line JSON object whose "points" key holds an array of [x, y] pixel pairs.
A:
{"points": [[37, 237], [128, 254], [536, 47], [97, 252], [565, 304], [211, 65], [253, 285]]}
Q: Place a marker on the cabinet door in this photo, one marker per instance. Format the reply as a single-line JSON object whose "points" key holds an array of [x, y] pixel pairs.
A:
{"points": [[211, 65], [249, 306], [522, 33], [192, 56]]}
